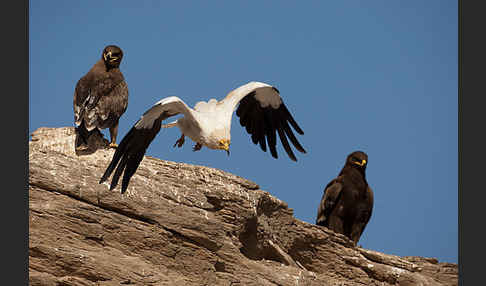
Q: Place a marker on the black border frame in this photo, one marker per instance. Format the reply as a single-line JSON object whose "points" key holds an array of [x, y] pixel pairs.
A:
{"points": [[471, 78], [15, 135]]}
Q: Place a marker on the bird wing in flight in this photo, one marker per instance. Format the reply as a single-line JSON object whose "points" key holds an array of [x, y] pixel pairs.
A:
{"points": [[132, 148], [263, 113]]}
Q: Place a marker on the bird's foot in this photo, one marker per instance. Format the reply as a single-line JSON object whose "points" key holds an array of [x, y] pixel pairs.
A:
{"points": [[180, 142], [197, 147], [113, 145]]}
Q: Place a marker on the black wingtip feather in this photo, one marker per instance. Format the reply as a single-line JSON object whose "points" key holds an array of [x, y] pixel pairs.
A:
{"points": [[292, 137], [285, 144], [119, 152], [129, 154], [118, 172], [270, 132], [263, 144], [111, 166], [262, 123], [130, 170], [291, 119]]}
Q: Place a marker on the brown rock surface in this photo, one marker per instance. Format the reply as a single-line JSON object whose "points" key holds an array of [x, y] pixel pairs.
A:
{"points": [[180, 224]]}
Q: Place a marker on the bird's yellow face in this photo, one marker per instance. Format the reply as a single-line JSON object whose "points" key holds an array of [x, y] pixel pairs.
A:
{"points": [[224, 144]]}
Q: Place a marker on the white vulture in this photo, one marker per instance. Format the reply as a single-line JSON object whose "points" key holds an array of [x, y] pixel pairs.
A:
{"points": [[261, 111]]}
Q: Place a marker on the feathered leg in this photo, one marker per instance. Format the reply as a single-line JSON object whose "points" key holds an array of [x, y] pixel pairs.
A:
{"points": [[113, 134]]}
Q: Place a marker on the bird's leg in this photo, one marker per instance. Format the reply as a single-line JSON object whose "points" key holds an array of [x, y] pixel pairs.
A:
{"points": [[113, 133], [180, 141], [197, 147]]}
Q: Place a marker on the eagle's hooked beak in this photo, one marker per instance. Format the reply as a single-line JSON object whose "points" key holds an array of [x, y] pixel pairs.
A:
{"points": [[362, 163], [225, 145], [105, 55], [109, 55]]}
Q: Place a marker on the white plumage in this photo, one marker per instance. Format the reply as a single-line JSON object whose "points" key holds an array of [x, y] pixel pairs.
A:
{"points": [[260, 108]]}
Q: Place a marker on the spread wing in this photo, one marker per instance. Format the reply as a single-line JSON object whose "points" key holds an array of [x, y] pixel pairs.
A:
{"points": [[263, 113], [132, 147], [328, 202], [100, 98]]}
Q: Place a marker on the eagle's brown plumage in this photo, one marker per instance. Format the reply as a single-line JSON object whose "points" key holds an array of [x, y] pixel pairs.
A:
{"points": [[347, 202], [100, 98]]}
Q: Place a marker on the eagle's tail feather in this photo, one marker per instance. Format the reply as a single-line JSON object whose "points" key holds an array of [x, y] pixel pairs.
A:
{"points": [[82, 137]]}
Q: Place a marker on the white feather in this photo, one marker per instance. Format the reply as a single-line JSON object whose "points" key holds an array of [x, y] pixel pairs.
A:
{"points": [[209, 122]]}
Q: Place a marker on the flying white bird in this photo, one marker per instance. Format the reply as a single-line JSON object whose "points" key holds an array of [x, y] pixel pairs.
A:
{"points": [[261, 111]]}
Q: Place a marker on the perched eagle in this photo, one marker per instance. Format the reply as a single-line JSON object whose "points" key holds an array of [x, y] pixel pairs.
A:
{"points": [[100, 98], [347, 202], [261, 111]]}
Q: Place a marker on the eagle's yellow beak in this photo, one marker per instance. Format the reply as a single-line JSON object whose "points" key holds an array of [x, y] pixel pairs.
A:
{"points": [[362, 163], [108, 55]]}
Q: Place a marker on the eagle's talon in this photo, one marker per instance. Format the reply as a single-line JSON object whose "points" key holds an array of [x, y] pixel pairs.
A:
{"points": [[102, 91], [197, 147], [180, 142], [208, 124], [83, 147]]}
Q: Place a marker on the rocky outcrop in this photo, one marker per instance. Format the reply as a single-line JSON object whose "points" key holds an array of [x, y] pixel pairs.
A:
{"points": [[180, 224]]}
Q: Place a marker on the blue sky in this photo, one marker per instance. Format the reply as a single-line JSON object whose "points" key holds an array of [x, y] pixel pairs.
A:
{"points": [[377, 76]]}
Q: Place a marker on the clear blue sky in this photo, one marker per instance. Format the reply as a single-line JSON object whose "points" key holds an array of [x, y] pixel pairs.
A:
{"points": [[377, 76]]}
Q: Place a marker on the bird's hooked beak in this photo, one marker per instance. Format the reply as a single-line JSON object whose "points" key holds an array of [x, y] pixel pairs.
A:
{"points": [[362, 163], [224, 144], [108, 55]]}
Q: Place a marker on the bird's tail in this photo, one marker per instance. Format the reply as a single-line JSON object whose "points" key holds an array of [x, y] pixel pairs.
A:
{"points": [[82, 137]]}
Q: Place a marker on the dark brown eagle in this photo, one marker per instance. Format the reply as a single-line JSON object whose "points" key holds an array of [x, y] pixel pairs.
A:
{"points": [[347, 202], [100, 98]]}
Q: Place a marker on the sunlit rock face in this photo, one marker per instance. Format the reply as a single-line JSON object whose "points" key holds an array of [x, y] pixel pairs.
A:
{"points": [[180, 224]]}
